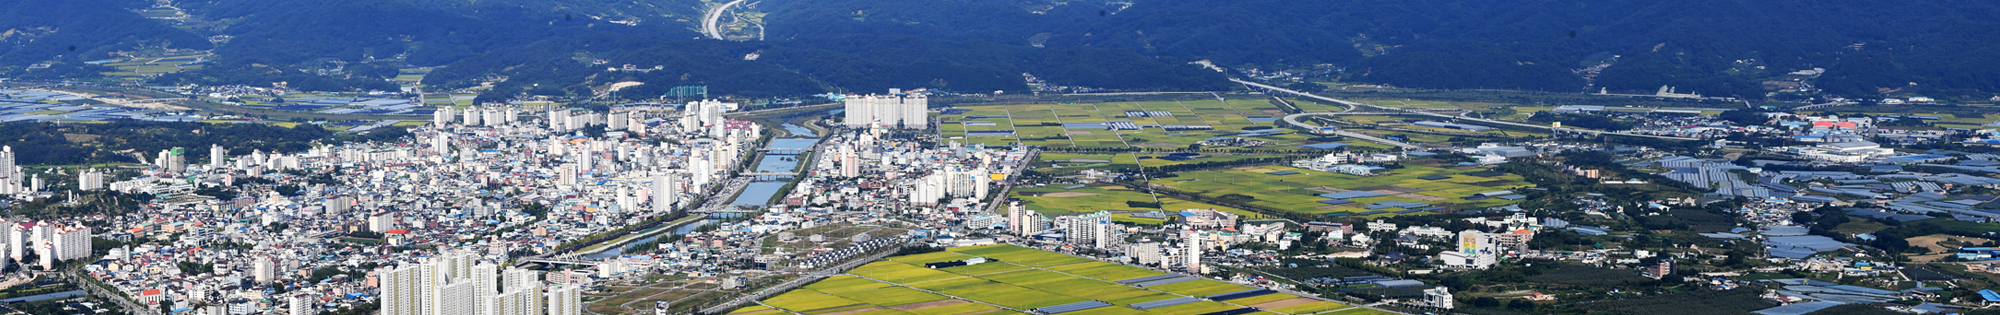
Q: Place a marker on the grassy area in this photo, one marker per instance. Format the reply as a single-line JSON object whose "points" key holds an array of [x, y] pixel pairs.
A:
{"points": [[1058, 201], [1042, 124], [1023, 278], [1298, 192]]}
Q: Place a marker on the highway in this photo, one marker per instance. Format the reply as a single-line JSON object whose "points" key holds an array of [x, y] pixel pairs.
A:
{"points": [[1353, 105], [714, 16]]}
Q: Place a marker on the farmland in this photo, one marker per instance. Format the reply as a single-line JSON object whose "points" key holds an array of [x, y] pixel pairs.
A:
{"points": [[1073, 125], [1058, 201], [1298, 192], [139, 68], [1022, 279]]}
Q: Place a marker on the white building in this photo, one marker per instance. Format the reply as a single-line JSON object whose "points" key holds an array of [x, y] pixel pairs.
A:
{"points": [[1094, 230], [264, 269], [1476, 250], [401, 290], [566, 300], [301, 304], [215, 156], [1024, 222], [1439, 297], [1190, 255], [90, 180], [895, 110], [456, 297], [1147, 253]]}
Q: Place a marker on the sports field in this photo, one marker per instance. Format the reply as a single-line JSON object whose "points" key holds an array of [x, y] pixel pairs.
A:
{"points": [[1022, 279], [1299, 192], [1044, 124]]}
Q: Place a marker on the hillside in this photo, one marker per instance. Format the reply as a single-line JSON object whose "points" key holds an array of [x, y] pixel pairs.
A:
{"points": [[1939, 48]]}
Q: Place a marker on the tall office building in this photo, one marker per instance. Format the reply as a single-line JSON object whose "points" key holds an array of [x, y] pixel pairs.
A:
{"points": [[895, 110]]}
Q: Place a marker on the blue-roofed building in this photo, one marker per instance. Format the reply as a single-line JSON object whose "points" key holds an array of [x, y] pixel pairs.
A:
{"points": [[1325, 146]]}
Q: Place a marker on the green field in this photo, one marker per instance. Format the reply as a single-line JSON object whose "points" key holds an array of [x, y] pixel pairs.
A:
{"points": [[1041, 124], [1058, 201], [1022, 279], [1298, 193], [151, 66]]}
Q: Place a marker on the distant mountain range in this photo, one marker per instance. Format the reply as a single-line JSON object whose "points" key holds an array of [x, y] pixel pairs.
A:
{"points": [[1939, 48]]}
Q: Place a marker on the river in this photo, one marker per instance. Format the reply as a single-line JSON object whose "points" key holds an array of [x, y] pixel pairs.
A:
{"points": [[756, 194]]}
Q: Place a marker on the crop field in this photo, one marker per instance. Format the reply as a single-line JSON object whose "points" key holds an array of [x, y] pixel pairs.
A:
{"points": [[152, 66], [1426, 104], [1298, 192], [1021, 279], [1043, 124]]}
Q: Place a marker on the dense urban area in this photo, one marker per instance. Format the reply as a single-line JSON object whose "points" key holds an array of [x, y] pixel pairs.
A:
{"points": [[910, 157]]}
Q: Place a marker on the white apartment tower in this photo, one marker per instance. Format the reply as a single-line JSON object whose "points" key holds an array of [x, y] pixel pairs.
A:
{"points": [[1094, 230], [90, 180], [302, 304], [566, 300], [666, 192], [264, 269], [486, 282], [442, 116], [1190, 256], [890, 111], [456, 297], [10, 174], [402, 290], [471, 117], [215, 156]]}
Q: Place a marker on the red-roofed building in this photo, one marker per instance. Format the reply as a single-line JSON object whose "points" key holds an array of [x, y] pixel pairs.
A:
{"points": [[152, 296]]}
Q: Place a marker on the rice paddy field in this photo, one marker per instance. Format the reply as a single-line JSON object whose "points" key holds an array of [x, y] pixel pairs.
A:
{"points": [[1298, 192], [1063, 163], [1043, 124], [1022, 279]]}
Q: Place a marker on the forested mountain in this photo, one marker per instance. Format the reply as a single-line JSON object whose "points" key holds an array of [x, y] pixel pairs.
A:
{"points": [[1942, 48], [66, 33]]}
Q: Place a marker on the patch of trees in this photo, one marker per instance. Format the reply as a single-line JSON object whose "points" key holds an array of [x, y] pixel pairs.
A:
{"points": [[49, 143]]}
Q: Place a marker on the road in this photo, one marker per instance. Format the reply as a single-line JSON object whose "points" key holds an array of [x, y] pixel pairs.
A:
{"points": [[1424, 113], [708, 23], [74, 275]]}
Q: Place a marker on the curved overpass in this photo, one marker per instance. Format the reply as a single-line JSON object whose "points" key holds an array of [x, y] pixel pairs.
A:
{"points": [[1353, 105]]}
